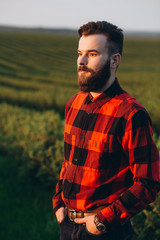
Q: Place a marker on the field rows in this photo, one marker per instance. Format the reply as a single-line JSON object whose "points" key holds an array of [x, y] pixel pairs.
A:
{"points": [[39, 70]]}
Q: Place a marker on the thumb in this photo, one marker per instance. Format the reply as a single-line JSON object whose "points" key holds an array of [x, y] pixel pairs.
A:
{"points": [[80, 220]]}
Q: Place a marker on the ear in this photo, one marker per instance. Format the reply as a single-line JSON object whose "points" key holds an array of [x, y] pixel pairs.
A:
{"points": [[115, 60]]}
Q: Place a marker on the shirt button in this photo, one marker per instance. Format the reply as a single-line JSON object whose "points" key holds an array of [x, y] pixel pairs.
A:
{"points": [[69, 181], [76, 159], [92, 100]]}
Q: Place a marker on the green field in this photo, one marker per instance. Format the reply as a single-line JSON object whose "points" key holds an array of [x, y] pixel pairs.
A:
{"points": [[39, 71], [37, 78]]}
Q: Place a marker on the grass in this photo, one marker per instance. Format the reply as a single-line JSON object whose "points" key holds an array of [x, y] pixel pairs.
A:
{"points": [[25, 206]]}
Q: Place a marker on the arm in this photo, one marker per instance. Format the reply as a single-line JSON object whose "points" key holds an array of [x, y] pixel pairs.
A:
{"points": [[57, 199], [143, 158], [58, 204]]}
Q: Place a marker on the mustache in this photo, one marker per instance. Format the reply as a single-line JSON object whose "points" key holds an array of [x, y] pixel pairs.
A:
{"points": [[83, 68]]}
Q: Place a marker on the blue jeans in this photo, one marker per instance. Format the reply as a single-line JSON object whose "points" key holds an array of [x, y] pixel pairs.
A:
{"points": [[70, 230]]}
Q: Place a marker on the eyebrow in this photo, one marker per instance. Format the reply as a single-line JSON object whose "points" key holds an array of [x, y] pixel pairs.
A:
{"points": [[92, 50]]}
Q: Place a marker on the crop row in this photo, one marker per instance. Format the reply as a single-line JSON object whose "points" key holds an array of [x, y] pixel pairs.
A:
{"points": [[44, 65]]}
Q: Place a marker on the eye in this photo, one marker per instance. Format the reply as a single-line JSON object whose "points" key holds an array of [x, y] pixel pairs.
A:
{"points": [[79, 54], [92, 54]]}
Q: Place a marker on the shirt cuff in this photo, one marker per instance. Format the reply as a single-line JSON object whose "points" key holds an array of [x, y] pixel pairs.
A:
{"points": [[104, 221], [57, 207]]}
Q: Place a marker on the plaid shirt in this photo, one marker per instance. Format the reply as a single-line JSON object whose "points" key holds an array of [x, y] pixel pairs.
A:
{"points": [[110, 158]]}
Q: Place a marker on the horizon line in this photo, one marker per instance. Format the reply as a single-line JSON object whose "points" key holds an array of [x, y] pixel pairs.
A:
{"points": [[71, 28]]}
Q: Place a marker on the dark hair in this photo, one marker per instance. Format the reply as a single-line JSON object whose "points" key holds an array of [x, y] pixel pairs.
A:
{"points": [[113, 33]]}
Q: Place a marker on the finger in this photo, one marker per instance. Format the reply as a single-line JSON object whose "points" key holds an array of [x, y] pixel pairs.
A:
{"points": [[80, 220]]}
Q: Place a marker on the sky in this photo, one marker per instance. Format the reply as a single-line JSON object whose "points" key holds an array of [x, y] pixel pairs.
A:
{"points": [[130, 15]]}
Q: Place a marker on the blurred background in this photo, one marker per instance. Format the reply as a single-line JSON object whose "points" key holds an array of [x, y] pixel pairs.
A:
{"points": [[38, 52]]}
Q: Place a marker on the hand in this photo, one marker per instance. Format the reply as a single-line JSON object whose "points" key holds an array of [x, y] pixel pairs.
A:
{"points": [[90, 225], [60, 214]]}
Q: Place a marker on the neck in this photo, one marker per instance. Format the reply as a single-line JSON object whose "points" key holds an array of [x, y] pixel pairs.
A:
{"points": [[105, 87]]}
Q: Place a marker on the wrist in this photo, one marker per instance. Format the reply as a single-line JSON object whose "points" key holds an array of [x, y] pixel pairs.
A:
{"points": [[105, 221], [100, 226]]}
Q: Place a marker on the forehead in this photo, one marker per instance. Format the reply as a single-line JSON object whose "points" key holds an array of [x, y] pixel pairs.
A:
{"points": [[95, 41]]}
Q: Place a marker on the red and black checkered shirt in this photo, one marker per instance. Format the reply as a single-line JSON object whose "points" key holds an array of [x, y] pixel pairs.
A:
{"points": [[110, 158]]}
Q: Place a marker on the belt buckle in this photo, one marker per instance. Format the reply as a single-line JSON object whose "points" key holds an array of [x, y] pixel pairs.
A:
{"points": [[74, 214]]}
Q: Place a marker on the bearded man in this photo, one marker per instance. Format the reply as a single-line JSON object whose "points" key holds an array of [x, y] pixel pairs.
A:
{"points": [[110, 170]]}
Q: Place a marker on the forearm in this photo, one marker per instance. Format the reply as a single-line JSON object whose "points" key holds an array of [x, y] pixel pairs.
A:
{"points": [[131, 202], [57, 199]]}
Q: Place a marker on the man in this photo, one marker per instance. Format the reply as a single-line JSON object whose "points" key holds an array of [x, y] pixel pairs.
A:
{"points": [[110, 169]]}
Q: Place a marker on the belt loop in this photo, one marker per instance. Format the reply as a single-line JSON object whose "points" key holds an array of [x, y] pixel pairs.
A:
{"points": [[74, 214], [82, 214]]}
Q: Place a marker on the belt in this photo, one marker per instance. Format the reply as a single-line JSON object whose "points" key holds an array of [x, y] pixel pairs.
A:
{"points": [[72, 214]]}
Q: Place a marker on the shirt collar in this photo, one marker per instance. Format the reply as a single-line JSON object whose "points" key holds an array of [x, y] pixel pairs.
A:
{"points": [[106, 96]]}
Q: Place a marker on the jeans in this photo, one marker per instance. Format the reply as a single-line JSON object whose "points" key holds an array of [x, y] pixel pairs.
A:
{"points": [[70, 230]]}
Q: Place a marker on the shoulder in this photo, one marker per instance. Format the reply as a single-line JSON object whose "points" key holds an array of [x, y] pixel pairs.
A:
{"points": [[71, 100], [75, 100], [132, 110], [80, 96]]}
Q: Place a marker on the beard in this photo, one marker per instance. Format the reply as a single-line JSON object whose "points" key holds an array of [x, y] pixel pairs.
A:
{"points": [[96, 80]]}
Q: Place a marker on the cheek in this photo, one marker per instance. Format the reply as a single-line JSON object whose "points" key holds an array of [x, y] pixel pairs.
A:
{"points": [[98, 63]]}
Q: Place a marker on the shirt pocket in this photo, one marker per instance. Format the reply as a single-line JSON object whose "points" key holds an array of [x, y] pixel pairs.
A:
{"points": [[98, 145], [97, 148]]}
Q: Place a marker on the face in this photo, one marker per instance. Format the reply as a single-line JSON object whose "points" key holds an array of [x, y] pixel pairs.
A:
{"points": [[93, 62]]}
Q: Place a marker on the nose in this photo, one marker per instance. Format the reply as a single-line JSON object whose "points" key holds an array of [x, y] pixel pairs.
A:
{"points": [[82, 60]]}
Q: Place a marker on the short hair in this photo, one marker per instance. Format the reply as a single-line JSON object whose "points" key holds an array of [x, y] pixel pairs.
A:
{"points": [[113, 33]]}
